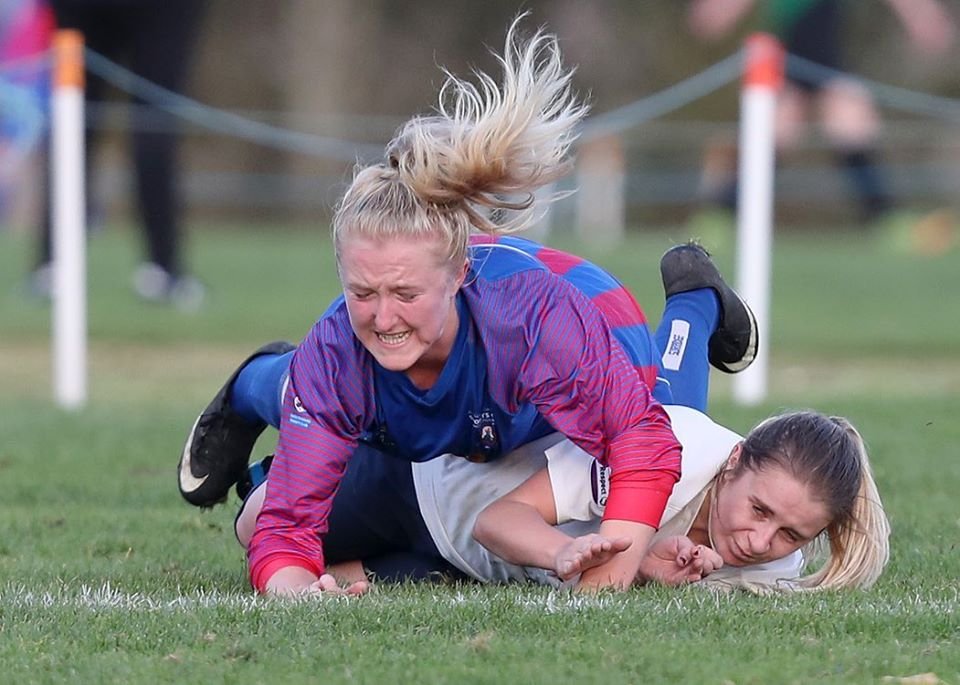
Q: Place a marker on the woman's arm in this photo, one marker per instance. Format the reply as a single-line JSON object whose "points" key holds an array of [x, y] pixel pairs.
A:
{"points": [[583, 382], [295, 580], [619, 571], [317, 437], [519, 528]]}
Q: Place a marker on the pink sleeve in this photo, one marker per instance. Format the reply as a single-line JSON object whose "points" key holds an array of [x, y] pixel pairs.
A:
{"points": [[582, 381], [320, 422]]}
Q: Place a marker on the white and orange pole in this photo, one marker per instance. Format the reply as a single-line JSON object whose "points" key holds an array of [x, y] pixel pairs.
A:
{"points": [[69, 222], [762, 80]]}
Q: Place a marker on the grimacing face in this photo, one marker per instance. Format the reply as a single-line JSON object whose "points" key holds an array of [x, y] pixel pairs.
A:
{"points": [[400, 296], [758, 516]]}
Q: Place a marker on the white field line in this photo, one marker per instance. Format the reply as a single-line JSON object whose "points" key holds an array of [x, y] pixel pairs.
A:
{"points": [[106, 597]]}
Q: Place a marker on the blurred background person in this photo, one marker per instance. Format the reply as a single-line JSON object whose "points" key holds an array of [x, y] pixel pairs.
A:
{"points": [[154, 39], [26, 28], [816, 31]]}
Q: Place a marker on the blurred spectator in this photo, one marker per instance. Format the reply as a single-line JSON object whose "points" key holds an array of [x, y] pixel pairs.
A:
{"points": [[814, 30], [154, 39], [26, 27]]}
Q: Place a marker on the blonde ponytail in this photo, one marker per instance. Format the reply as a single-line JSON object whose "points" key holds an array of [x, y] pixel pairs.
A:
{"points": [[858, 549], [476, 164]]}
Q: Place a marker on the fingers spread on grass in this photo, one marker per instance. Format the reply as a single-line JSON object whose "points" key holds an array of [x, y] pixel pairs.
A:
{"points": [[329, 585], [586, 552]]}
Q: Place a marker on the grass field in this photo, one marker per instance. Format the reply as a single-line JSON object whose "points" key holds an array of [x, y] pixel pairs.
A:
{"points": [[107, 576]]}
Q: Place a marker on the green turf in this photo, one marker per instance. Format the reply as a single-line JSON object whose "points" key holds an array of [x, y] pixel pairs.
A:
{"points": [[106, 576]]}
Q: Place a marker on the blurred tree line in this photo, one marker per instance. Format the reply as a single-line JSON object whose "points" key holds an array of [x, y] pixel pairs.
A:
{"points": [[355, 69], [382, 57]]}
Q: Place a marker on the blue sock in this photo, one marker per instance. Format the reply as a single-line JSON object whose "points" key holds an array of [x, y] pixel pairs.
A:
{"points": [[689, 319], [256, 394], [258, 472]]}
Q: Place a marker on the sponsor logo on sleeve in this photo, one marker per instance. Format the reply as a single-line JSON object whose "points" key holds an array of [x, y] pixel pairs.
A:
{"points": [[299, 419], [677, 345], [600, 483]]}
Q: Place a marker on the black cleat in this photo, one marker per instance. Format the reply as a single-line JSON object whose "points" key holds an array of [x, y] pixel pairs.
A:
{"points": [[219, 445], [733, 345]]}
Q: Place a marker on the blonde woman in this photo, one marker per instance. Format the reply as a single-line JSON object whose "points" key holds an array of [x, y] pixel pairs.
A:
{"points": [[790, 506], [442, 347], [759, 512]]}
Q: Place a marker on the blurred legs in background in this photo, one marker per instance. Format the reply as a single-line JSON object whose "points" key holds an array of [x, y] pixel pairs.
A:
{"points": [[844, 109], [154, 39]]}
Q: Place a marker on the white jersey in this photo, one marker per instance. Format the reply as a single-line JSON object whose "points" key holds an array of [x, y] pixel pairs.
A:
{"points": [[452, 491]]}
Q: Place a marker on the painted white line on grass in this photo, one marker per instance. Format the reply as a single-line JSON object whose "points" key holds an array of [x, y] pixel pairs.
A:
{"points": [[944, 601], [108, 597]]}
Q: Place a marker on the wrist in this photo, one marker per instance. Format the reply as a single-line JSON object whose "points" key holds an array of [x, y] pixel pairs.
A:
{"points": [[290, 580]]}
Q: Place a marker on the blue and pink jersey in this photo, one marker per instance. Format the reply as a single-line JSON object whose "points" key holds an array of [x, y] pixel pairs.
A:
{"points": [[546, 342]]}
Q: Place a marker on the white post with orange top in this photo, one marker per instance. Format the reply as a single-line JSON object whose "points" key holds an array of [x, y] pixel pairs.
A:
{"points": [[69, 222], [762, 80]]}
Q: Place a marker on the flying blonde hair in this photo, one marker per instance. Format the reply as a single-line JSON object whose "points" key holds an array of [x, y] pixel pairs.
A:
{"points": [[476, 163]]}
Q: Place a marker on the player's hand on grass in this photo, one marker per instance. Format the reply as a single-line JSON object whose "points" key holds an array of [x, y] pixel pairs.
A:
{"points": [[620, 570], [293, 581], [329, 585], [678, 560], [586, 552]]}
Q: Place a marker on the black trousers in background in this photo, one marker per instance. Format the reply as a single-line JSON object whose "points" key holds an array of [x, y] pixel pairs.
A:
{"points": [[155, 40]]}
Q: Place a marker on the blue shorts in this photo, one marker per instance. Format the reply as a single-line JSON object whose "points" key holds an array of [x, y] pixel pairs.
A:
{"points": [[376, 519]]}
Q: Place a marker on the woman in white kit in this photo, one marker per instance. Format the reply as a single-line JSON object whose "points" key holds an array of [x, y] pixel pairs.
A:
{"points": [[747, 512]]}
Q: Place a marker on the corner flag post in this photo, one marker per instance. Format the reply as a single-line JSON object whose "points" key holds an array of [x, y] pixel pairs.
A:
{"points": [[69, 219], [762, 79]]}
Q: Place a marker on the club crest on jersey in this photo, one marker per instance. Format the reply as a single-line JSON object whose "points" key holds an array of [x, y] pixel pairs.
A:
{"points": [[378, 437], [484, 440]]}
